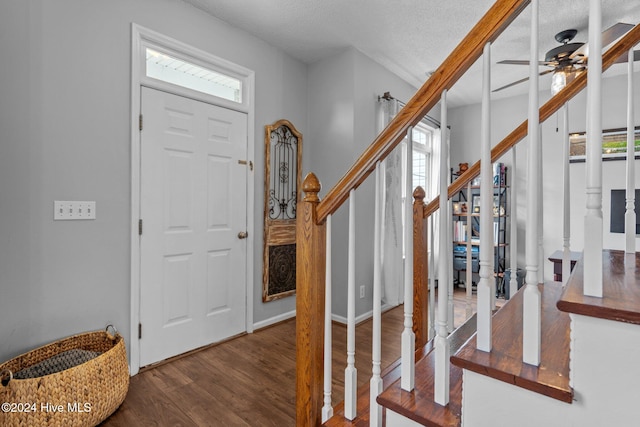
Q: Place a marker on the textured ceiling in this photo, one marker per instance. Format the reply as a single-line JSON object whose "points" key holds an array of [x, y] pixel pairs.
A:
{"points": [[411, 37]]}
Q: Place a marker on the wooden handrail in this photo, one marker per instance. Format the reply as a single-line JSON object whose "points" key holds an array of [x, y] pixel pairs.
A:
{"points": [[497, 18], [609, 58]]}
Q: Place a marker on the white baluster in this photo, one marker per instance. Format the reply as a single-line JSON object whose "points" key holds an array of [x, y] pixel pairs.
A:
{"points": [[375, 385], [350, 372], [432, 281], [485, 286], [513, 211], [469, 272], [532, 297], [593, 231], [630, 214], [449, 240], [540, 207], [566, 227], [441, 344], [327, 409], [408, 337]]}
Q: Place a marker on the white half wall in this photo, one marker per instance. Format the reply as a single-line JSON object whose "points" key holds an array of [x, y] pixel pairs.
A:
{"points": [[604, 373]]}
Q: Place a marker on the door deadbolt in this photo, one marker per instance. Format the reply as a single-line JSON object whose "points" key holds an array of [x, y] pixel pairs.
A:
{"points": [[242, 235]]}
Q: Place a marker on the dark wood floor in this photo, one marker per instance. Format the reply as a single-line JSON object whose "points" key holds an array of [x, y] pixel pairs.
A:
{"points": [[247, 381]]}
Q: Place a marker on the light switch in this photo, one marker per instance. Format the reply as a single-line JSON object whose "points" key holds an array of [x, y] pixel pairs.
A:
{"points": [[70, 210]]}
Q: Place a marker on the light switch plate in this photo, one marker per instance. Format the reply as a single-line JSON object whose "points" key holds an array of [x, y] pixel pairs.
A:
{"points": [[74, 210]]}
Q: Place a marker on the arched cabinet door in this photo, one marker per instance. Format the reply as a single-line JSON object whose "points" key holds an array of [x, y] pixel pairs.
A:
{"points": [[282, 183]]}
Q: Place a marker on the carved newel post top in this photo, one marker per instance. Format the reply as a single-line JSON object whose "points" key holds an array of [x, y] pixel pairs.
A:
{"points": [[419, 194], [311, 187]]}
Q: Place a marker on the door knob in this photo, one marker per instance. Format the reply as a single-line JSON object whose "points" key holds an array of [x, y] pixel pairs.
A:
{"points": [[242, 235]]}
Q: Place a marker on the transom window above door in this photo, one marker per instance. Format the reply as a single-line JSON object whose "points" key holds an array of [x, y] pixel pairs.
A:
{"points": [[171, 69], [177, 73]]}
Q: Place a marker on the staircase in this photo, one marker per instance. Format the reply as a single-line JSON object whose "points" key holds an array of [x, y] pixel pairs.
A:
{"points": [[585, 373], [600, 334]]}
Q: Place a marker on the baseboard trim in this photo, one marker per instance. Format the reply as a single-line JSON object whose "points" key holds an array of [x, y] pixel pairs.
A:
{"points": [[364, 316], [273, 320], [335, 317]]}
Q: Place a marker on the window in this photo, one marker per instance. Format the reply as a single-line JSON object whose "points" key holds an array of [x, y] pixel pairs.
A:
{"points": [[421, 156], [421, 165], [422, 136], [170, 69]]}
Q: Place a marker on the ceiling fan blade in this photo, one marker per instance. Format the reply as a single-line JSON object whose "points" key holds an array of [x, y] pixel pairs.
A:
{"points": [[523, 62], [625, 57], [511, 84], [614, 32], [521, 81], [608, 36]]}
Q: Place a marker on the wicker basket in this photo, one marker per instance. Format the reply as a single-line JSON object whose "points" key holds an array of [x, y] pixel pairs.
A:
{"points": [[83, 395]]}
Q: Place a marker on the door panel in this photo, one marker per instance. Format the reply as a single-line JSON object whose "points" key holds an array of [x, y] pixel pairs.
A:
{"points": [[193, 204]]}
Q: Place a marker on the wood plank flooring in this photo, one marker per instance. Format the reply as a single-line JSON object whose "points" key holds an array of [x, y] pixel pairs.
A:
{"points": [[249, 380]]}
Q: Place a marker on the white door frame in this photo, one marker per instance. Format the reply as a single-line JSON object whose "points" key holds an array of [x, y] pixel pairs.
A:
{"points": [[140, 37]]}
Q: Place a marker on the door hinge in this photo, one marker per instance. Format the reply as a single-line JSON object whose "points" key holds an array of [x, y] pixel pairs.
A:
{"points": [[140, 121], [140, 227], [139, 331]]}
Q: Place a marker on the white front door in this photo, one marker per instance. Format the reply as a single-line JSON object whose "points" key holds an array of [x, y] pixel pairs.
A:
{"points": [[193, 207]]}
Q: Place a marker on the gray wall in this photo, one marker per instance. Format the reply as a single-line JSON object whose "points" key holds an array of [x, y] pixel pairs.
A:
{"points": [[343, 91], [64, 135], [510, 112]]}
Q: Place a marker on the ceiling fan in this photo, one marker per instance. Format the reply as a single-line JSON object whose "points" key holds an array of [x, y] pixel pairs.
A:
{"points": [[570, 59]]}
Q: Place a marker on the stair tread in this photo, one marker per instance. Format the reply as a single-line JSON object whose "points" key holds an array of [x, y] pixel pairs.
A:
{"points": [[419, 404], [620, 297], [504, 362], [389, 375]]}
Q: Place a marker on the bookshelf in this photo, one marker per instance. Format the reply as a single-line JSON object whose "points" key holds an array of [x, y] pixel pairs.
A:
{"points": [[466, 227]]}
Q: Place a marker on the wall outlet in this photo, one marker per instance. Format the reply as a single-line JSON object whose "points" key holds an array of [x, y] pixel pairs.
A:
{"points": [[362, 291], [70, 210]]}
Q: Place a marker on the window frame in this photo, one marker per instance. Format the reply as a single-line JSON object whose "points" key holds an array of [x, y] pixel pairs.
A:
{"points": [[193, 56]]}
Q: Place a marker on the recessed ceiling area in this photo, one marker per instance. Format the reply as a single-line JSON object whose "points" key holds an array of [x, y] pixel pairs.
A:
{"points": [[412, 37]]}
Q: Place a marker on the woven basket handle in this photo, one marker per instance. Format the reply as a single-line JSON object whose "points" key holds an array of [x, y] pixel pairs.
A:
{"points": [[5, 377], [109, 334]]}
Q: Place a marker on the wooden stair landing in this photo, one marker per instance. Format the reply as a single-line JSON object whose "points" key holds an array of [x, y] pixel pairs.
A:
{"points": [[504, 362], [419, 404], [620, 296]]}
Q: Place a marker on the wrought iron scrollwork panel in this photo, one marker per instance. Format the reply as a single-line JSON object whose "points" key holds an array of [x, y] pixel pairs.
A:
{"points": [[283, 158], [284, 172]]}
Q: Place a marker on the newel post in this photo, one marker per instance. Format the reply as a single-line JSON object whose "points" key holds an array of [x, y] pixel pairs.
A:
{"points": [[310, 280], [420, 271]]}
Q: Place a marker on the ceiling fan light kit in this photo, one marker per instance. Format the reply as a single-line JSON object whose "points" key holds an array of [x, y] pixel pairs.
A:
{"points": [[562, 77], [569, 59]]}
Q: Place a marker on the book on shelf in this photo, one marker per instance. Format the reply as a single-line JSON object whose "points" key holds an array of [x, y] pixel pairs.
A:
{"points": [[499, 175], [459, 231]]}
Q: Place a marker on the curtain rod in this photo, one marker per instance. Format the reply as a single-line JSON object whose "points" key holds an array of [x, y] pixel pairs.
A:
{"points": [[387, 97]]}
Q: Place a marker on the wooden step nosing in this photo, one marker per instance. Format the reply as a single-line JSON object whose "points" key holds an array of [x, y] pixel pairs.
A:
{"points": [[585, 309], [620, 301], [561, 394], [501, 364], [436, 415], [406, 395]]}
